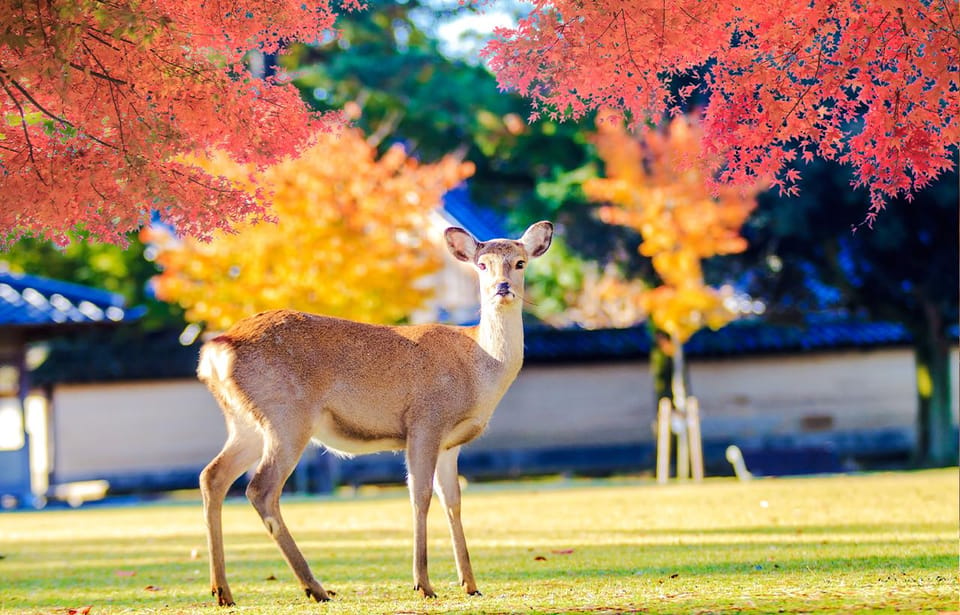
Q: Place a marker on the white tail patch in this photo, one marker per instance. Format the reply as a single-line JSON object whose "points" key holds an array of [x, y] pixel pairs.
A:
{"points": [[216, 361]]}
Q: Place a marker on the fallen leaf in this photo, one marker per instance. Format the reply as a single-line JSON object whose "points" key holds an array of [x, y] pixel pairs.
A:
{"points": [[674, 575], [563, 551], [80, 610], [151, 588], [539, 558], [271, 578], [125, 573]]}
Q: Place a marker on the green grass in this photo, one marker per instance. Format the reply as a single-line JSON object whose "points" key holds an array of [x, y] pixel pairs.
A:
{"points": [[876, 543]]}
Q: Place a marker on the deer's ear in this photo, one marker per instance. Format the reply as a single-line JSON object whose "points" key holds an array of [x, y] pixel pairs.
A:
{"points": [[537, 238], [461, 244]]}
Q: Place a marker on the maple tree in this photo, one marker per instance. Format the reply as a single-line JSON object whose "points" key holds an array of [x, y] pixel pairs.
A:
{"points": [[102, 100], [652, 187], [351, 238], [869, 83]]}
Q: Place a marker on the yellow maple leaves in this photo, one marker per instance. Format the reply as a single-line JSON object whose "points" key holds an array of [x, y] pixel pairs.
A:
{"points": [[350, 238], [655, 185]]}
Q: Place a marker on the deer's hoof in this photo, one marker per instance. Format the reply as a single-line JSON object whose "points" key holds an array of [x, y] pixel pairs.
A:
{"points": [[475, 592], [426, 590], [223, 596], [318, 594]]}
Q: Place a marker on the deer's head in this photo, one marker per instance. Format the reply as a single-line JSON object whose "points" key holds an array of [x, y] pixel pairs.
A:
{"points": [[500, 263]]}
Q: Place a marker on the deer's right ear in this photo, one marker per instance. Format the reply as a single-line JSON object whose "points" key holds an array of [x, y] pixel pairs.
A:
{"points": [[461, 244]]}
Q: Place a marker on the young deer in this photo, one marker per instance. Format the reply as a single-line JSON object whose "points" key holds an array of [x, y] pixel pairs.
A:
{"points": [[284, 378]]}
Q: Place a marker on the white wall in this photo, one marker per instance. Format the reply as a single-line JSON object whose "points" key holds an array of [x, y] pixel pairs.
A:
{"points": [[739, 397], [168, 425], [122, 428]]}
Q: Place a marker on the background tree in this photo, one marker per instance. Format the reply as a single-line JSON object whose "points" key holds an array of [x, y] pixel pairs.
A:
{"points": [[390, 60], [805, 261], [872, 85], [101, 100], [655, 185], [350, 241]]}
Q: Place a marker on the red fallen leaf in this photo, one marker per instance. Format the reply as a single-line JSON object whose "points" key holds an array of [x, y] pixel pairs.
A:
{"points": [[563, 551], [539, 558], [151, 588], [125, 573], [80, 610]]}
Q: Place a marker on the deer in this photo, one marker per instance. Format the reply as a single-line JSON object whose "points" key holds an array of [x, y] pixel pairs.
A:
{"points": [[284, 378]]}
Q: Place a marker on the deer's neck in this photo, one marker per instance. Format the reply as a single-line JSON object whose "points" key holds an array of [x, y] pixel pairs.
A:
{"points": [[500, 334]]}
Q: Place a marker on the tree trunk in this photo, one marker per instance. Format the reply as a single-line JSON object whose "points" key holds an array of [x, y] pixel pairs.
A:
{"points": [[936, 432], [661, 365]]}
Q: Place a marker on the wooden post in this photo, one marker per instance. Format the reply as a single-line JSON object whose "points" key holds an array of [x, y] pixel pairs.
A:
{"points": [[680, 406], [663, 440], [696, 444], [683, 446]]}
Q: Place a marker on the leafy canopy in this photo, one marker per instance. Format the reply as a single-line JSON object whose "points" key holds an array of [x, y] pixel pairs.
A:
{"points": [[101, 100], [351, 240], [870, 83]]}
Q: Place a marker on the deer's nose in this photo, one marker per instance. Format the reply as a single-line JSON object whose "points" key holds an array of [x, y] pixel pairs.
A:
{"points": [[503, 288]]}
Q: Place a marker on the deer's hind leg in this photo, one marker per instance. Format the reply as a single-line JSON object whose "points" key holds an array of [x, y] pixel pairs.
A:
{"points": [[241, 450], [281, 452]]}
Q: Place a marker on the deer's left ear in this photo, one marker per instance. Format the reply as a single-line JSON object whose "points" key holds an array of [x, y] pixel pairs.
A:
{"points": [[537, 238]]}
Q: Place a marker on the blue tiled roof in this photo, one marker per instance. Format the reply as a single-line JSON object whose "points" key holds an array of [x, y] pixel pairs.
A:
{"points": [[484, 224], [739, 338], [159, 354], [30, 301]]}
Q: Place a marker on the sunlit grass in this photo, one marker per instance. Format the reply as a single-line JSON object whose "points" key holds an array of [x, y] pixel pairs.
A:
{"points": [[878, 543]]}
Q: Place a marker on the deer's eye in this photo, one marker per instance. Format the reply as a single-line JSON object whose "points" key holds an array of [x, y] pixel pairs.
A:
{"points": [[521, 264], [481, 266]]}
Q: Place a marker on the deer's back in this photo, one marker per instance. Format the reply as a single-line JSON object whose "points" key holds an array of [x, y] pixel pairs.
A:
{"points": [[356, 381]]}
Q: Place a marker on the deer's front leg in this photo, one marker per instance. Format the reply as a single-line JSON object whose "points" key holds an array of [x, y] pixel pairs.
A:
{"points": [[447, 483], [422, 450]]}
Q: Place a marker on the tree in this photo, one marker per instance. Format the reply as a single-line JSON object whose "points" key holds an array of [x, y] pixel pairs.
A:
{"points": [[871, 84], [102, 101], [653, 186], [389, 60], [350, 239], [805, 259]]}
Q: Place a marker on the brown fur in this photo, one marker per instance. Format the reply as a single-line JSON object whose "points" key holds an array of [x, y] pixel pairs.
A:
{"points": [[284, 377]]}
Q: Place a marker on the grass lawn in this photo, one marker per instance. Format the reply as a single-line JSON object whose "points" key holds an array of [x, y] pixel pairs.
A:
{"points": [[873, 543]]}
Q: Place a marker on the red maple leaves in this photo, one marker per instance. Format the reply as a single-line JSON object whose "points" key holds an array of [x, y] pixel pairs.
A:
{"points": [[870, 83], [100, 101]]}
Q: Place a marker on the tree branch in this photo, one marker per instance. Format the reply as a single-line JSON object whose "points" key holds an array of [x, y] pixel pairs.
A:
{"points": [[97, 74], [26, 133], [47, 112], [113, 95]]}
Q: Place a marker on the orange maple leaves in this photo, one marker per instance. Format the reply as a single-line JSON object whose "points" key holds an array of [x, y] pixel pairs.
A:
{"points": [[351, 238], [656, 185], [871, 83]]}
